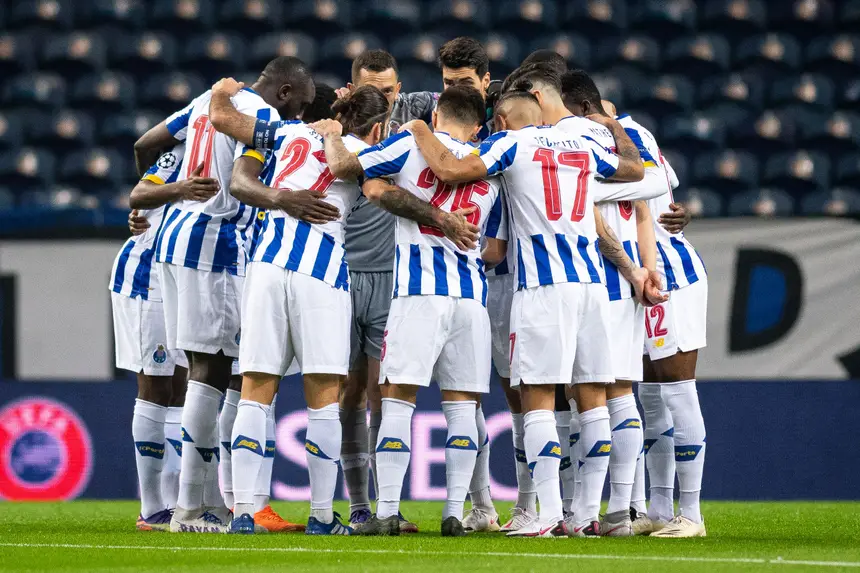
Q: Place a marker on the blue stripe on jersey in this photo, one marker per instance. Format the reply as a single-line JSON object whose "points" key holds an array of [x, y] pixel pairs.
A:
{"points": [[466, 289], [613, 283], [440, 271], [140, 283], [259, 232], [226, 250], [582, 247], [544, 270], [323, 257], [504, 161], [275, 245], [502, 268], [521, 268], [671, 284], [566, 255], [483, 276], [388, 167], [165, 222], [686, 261], [303, 229], [179, 123], [628, 248], [396, 267], [175, 175], [171, 243], [494, 220], [195, 240], [640, 145], [387, 142], [414, 269], [119, 278], [342, 280]]}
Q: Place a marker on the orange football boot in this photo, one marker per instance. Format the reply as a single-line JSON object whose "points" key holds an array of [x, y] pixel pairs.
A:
{"points": [[271, 522]]}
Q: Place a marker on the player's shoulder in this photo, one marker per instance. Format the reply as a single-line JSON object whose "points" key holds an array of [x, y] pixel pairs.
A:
{"points": [[248, 101], [353, 144], [627, 122], [403, 139]]}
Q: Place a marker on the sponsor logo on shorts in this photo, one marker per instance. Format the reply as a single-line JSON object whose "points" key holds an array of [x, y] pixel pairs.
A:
{"points": [[238, 337], [551, 450], [392, 445], [660, 342], [628, 424], [600, 449], [461, 443], [687, 453], [160, 355], [150, 449], [246, 443]]}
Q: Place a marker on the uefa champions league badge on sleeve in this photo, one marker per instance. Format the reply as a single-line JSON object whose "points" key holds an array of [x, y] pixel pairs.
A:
{"points": [[45, 451], [167, 160]]}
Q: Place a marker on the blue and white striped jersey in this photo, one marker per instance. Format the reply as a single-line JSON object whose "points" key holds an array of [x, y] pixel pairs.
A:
{"points": [[550, 176], [210, 235], [133, 273], [426, 262], [315, 250], [677, 260]]}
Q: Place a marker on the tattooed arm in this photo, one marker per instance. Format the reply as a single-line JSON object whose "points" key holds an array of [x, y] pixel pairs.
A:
{"points": [[342, 163], [630, 167], [447, 167], [613, 250]]}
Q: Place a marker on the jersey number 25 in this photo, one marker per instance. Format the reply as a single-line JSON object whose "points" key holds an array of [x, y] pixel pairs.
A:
{"points": [[462, 198]]}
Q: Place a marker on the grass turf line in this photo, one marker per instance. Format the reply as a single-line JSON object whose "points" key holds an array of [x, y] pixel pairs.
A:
{"points": [[92, 536]]}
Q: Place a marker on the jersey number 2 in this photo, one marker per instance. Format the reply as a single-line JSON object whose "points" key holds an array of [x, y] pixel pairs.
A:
{"points": [[462, 198], [294, 156], [550, 161]]}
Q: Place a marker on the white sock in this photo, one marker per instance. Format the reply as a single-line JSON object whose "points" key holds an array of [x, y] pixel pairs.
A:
{"points": [[212, 498], [199, 442], [682, 399], [372, 438], [596, 446], [354, 457], [565, 468], [526, 496], [248, 449], [544, 455], [392, 454], [659, 452], [322, 450], [479, 488], [263, 489], [626, 444], [173, 456], [637, 498], [461, 450], [575, 455], [225, 435], [147, 430]]}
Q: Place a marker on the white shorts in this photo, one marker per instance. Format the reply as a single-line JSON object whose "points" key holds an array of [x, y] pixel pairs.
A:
{"points": [[442, 338], [500, 294], [627, 332], [140, 339], [288, 315], [680, 323], [560, 335], [201, 309]]}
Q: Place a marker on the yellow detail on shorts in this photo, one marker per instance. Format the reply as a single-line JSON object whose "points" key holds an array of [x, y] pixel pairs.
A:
{"points": [[247, 444], [393, 445], [556, 451], [660, 342], [461, 443], [605, 449], [255, 154], [312, 448], [154, 178]]}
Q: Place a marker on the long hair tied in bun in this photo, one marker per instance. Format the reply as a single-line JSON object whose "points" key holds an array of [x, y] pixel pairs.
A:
{"points": [[361, 110]]}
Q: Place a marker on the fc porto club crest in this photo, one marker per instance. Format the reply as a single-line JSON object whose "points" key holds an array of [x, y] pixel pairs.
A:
{"points": [[160, 355], [45, 451]]}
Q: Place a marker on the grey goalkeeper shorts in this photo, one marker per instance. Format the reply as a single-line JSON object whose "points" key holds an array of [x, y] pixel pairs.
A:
{"points": [[371, 299]]}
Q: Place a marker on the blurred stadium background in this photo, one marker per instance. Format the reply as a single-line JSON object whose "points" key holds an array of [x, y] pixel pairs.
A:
{"points": [[756, 103]]}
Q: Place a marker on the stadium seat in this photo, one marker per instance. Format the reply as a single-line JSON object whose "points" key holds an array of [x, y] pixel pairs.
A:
{"points": [[807, 95], [697, 56], [41, 15], [728, 170], [734, 18], [839, 133], [418, 52], [319, 18], [769, 56], [417, 79], [214, 56], [573, 47], [596, 19], [849, 18], [74, 55], [67, 131], [27, 169], [837, 56], [17, 54], [103, 93], [251, 18], [663, 95], [452, 18], [7, 200], [11, 131], [839, 202], [172, 92], [145, 55], [613, 89], [270, 46], [745, 91], [112, 15], [768, 133], [121, 130], [526, 19], [632, 54], [664, 18], [505, 53], [98, 170], [693, 133], [849, 98], [848, 170], [798, 172], [701, 202], [39, 90], [338, 52], [761, 203], [804, 19], [182, 16], [388, 19]]}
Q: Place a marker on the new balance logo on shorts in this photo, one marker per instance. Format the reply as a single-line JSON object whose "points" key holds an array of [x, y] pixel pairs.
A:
{"points": [[600, 449], [392, 445], [461, 443], [246, 443], [551, 450], [628, 424], [315, 450]]}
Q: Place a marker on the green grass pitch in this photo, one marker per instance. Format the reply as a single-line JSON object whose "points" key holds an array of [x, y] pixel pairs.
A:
{"points": [[100, 536]]}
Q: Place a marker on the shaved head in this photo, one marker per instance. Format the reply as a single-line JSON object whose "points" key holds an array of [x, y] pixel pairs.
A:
{"points": [[517, 109]]}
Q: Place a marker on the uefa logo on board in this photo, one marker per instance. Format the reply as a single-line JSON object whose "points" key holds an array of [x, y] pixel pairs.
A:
{"points": [[45, 451]]}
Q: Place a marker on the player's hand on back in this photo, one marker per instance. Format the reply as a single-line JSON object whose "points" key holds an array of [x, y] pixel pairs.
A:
{"points": [[651, 293], [675, 220], [459, 230], [137, 223], [307, 206], [411, 126], [198, 188], [227, 86], [328, 128], [341, 92], [603, 120]]}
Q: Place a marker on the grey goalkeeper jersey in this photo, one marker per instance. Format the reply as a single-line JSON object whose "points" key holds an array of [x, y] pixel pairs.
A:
{"points": [[369, 239]]}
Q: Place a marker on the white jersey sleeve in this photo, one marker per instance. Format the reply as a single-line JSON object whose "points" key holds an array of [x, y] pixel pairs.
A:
{"points": [[673, 178], [177, 123], [166, 169], [498, 152], [387, 157], [607, 162], [653, 184]]}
